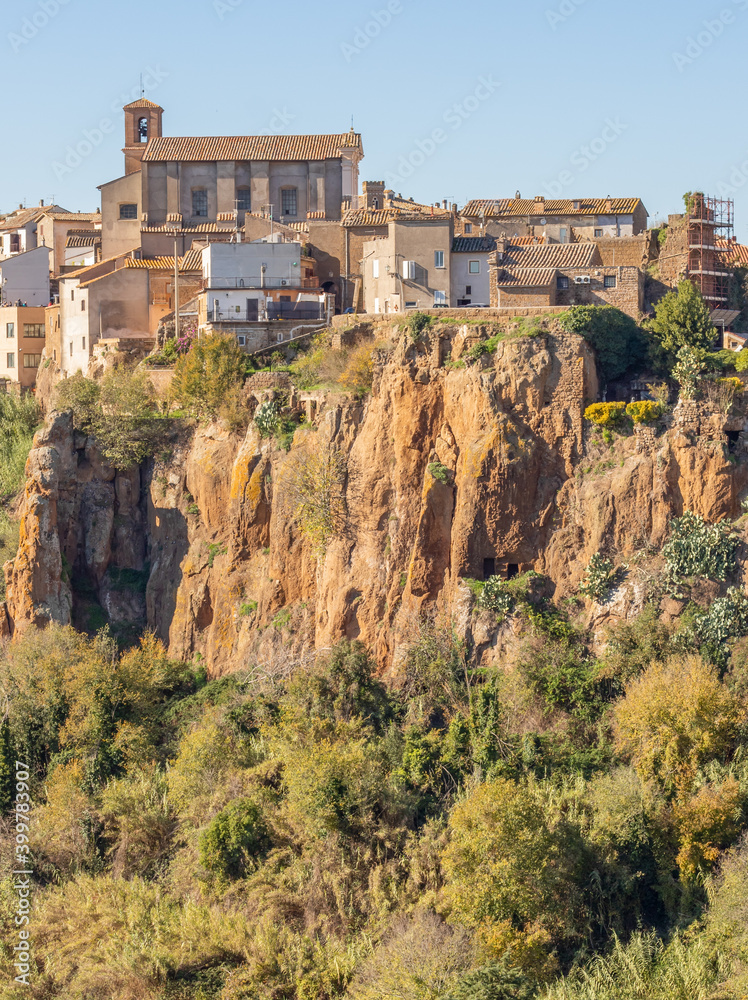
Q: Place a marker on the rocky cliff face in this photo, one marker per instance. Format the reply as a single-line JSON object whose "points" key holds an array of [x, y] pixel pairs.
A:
{"points": [[449, 473]]}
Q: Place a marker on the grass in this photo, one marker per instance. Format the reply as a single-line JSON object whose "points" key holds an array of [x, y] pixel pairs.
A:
{"points": [[9, 533], [19, 418]]}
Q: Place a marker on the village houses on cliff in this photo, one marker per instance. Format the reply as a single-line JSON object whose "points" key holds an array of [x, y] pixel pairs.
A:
{"points": [[265, 238]]}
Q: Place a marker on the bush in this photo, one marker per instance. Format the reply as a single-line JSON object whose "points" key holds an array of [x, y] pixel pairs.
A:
{"points": [[495, 597], [725, 619], [645, 411], [120, 412], [311, 487], [696, 548], [359, 372], [605, 414], [207, 374], [440, 472], [266, 418], [688, 370], [599, 577], [235, 840], [741, 361], [417, 323], [19, 416], [618, 342]]}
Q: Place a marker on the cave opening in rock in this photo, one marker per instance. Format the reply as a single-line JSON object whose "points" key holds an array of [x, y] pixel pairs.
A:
{"points": [[512, 570], [489, 568]]}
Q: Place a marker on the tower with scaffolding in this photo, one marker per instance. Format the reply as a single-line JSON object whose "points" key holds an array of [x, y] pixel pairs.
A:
{"points": [[710, 227]]}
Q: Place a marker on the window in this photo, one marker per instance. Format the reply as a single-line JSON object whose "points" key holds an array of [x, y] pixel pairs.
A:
{"points": [[598, 232], [54, 355], [33, 329], [83, 305], [438, 258], [609, 281], [72, 295], [440, 298], [474, 267], [468, 289], [32, 360], [10, 330], [562, 236], [375, 268], [71, 348], [409, 269], [288, 202], [243, 199], [15, 242], [410, 305], [128, 211], [468, 228], [241, 340], [200, 202], [11, 360], [143, 130], [376, 305], [562, 281], [83, 343]]}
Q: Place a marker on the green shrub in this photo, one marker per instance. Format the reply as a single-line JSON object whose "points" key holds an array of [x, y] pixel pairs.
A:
{"points": [[212, 369], [19, 416], [120, 412], [725, 619], [266, 418], [682, 319], [618, 342], [495, 597], [688, 370], [235, 840], [247, 608], [696, 548], [741, 360], [417, 323], [599, 577], [440, 472]]}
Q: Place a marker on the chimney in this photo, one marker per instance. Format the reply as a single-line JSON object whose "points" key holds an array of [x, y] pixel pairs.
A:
{"points": [[454, 208], [609, 205], [41, 203], [445, 203], [502, 246], [539, 202]]}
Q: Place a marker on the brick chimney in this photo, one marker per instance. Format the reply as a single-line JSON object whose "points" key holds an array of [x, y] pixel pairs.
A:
{"points": [[539, 203], [609, 206], [502, 246]]}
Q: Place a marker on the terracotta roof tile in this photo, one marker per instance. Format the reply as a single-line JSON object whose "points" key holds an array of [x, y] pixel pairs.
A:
{"points": [[143, 102], [495, 208], [209, 149], [74, 216], [192, 261], [735, 253], [554, 255], [473, 244], [23, 216], [383, 216], [83, 239], [529, 277]]}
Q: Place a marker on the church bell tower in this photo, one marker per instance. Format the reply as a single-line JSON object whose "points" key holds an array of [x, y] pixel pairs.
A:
{"points": [[142, 123]]}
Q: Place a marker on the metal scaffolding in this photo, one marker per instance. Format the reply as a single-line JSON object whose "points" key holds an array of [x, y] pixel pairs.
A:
{"points": [[709, 220]]}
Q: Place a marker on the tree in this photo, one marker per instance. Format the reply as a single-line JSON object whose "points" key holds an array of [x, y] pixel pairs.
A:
{"points": [[311, 487], [212, 369], [120, 412], [506, 865], [682, 319], [235, 840], [675, 718], [617, 340]]}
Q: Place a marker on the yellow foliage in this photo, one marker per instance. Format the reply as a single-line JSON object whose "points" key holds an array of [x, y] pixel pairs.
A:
{"points": [[644, 411], [359, 372], [706, 824], [605, 414], [676, 717], [62, 829]]}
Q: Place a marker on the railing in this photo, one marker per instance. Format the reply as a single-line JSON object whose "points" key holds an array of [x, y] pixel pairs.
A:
{"points": [[245, 315], [256, 281], [296, 310]]}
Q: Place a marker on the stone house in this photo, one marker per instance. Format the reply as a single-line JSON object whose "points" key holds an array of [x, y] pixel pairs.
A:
{"points": [[562, 275], [54, 227], [18, 230], [186, 182], [410, 267], [557, 220]]}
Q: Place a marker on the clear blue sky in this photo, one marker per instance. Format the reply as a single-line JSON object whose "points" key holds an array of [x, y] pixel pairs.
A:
{"points": [[571, 98]]}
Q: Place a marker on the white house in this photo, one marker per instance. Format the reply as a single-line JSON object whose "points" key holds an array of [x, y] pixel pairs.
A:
{"points": [[470, 284], [25, 277]]}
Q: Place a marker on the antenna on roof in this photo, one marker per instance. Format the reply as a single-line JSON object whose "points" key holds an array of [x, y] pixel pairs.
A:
{"points": [[142, 88], [352, 129]]}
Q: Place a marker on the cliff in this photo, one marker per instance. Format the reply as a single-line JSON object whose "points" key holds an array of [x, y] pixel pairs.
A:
{"points": [[447, 473]]}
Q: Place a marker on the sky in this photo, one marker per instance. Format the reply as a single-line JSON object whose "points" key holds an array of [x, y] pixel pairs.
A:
{"points": [[566, 98]]}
